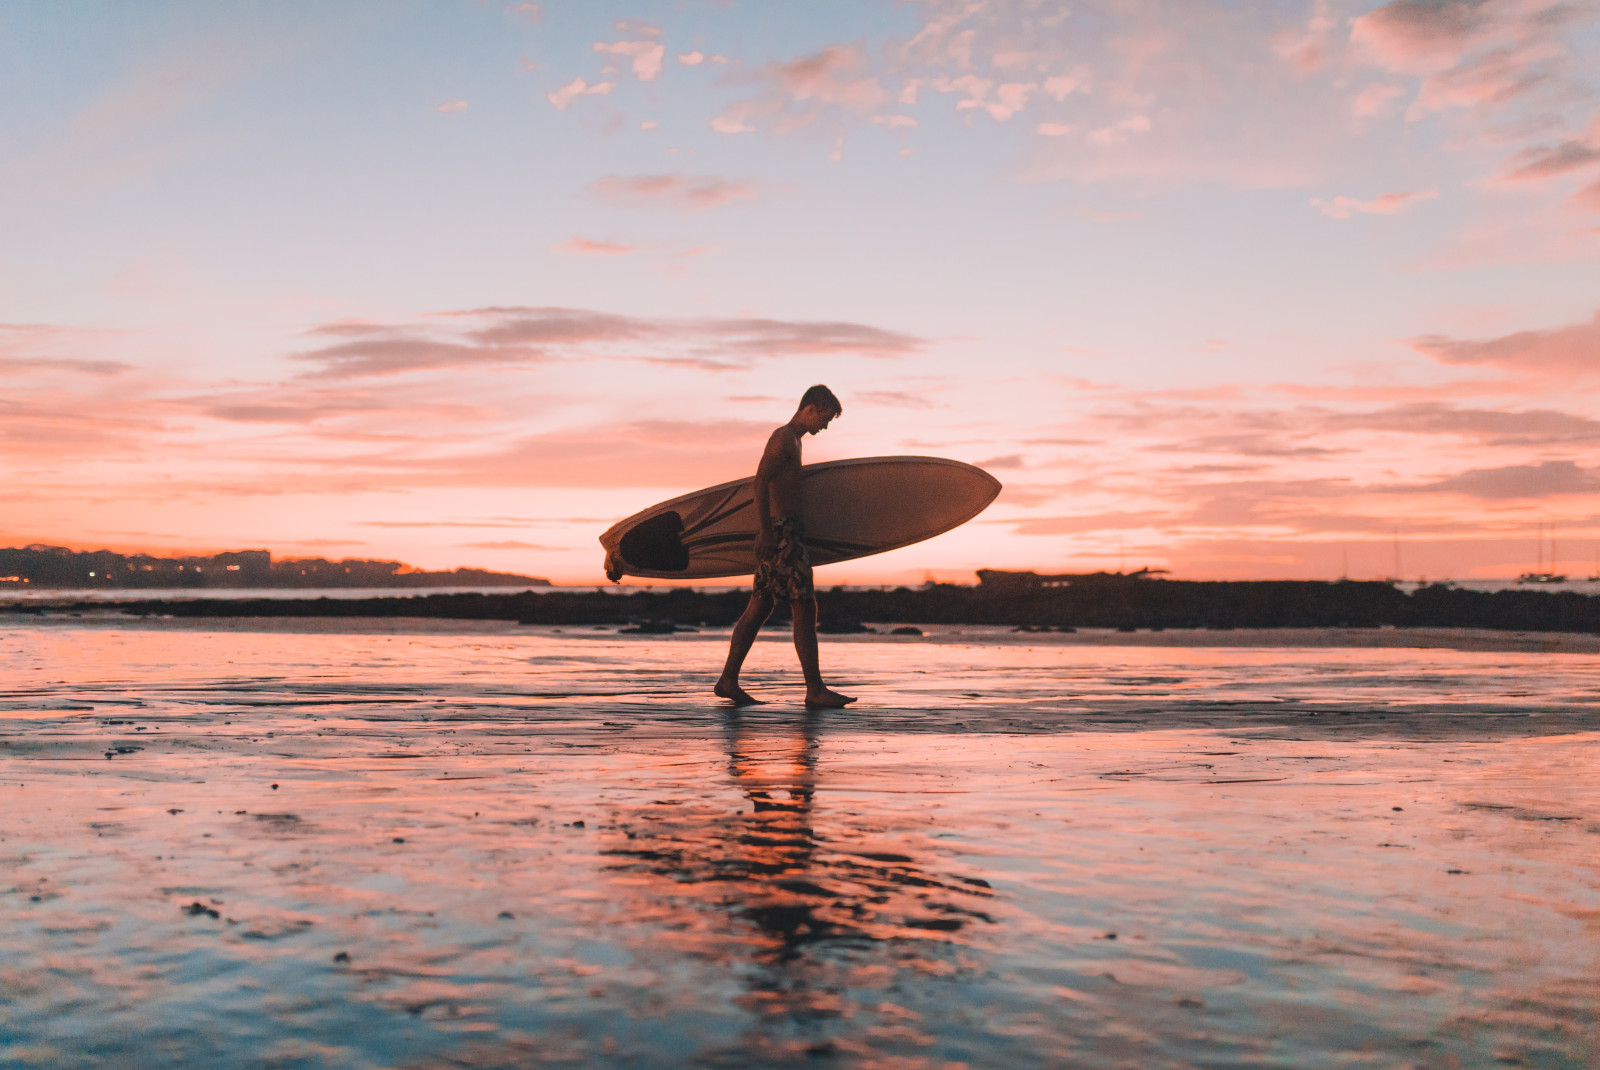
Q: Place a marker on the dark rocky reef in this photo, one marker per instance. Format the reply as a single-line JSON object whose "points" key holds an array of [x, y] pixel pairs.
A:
{"points": [[1117, 602]]}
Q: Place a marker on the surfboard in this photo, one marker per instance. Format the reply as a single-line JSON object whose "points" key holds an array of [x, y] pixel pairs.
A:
{"points": [[852, 508]]}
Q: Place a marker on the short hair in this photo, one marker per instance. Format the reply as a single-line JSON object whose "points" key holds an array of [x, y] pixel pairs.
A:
{"points": [[823, 399]]}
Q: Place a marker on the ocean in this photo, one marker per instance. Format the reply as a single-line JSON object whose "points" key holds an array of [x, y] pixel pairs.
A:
{"points": [[398, 843]]}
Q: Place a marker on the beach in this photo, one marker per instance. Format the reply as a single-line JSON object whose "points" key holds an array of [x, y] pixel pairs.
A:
{"points": [[429, 843]]}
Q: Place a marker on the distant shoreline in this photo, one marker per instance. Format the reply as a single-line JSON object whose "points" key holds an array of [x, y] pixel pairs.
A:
{"points": [[59, 568]]}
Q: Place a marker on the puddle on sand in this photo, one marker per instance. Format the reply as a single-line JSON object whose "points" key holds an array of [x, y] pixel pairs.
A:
{"points": [[524, 848]]}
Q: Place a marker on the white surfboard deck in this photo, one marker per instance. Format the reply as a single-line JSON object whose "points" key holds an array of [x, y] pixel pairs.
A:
{"points": [[852, 508]]}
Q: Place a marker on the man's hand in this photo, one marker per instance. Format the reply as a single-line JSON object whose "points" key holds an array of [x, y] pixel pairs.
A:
{"points": [[763, 542]]}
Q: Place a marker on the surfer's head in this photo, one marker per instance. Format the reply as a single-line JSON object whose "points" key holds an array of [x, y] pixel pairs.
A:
{"points": [[818, 407]]}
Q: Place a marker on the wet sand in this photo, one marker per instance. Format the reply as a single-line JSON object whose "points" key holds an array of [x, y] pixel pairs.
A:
{"points": [[346, 843]]}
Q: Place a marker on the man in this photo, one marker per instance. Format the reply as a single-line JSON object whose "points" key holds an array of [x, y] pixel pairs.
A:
{"points": [[783, 565]]}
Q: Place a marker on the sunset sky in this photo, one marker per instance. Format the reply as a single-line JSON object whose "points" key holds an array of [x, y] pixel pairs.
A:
{"points": [[1239, 289]]}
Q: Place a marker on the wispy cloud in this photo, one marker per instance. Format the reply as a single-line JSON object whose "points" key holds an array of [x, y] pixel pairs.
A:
{"points": [[563, 97], [509, 544], [64, 364], [1550, 479], [643, 54], [394, 355], [690, 193], [897, 399], [1499, 427], [528, 13], [648, 453], [591, 247], [1383, 204], [508, 337], [1572, 350], [1550, 161], [833, 82]]}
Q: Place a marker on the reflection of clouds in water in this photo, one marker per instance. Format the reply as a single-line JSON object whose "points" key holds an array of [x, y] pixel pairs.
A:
{"points": [[646, 880], [819, 902]]}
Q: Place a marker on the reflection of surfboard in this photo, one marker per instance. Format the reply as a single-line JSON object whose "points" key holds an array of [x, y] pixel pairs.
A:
{"points": [[852, 508]]}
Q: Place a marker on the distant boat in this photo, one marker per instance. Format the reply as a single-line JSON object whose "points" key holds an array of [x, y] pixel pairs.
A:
{"points": [[1540, 574]]}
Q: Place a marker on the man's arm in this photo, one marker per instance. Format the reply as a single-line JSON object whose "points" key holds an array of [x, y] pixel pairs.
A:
{"points": [[779, 468], [764, 471]]}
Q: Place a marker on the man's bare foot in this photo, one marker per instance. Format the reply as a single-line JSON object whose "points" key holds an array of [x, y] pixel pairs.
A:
{"points": [[735, 694], [827, 700]]}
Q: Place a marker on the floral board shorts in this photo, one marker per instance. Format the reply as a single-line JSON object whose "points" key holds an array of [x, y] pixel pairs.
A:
{"points": [[786, 572]]}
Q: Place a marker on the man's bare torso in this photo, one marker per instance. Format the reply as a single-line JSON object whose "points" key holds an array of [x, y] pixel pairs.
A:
{"points": [[778, 477]]}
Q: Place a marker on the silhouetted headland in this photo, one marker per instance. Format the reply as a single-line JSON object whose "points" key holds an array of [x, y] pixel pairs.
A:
{"points": [[39, 566], [1022, 600]]}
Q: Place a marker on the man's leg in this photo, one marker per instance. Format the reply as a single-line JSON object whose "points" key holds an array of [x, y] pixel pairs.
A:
{"points": [[805, 645], [744, 634]]}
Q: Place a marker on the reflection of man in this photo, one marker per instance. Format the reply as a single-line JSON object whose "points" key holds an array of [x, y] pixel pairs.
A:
{"points": [[783, 566]]}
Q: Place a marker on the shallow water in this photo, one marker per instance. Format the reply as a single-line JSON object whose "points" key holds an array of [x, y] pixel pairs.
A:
{"points": [[479, 845]]}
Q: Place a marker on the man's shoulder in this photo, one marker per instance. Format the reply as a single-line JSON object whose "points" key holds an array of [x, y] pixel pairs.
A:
{"points": [[782, 438]]}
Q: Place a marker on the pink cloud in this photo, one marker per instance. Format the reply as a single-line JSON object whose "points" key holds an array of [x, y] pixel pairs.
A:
{"points": [[895, 399], [349, 328], [1547, 480], [508, 544], [1308, 50], [1079, 525], [1426, 33], [1548, 161], [528, 13], [589, 247], [644, 55], [64, 364], [1499, 427], [1506, 65], [1573, 350], [1541, 233], [502, 337], [1118, 132], [1376, 100], [450, 107], [657, 453], [1260, 96], [52, 427], [1588, 197], [562, 98], [65, 399], [692, 193], [736, 338], [833, 83], [830, 77], [1059, 87], [392, 356], [1383, 204], [350, 411]]}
